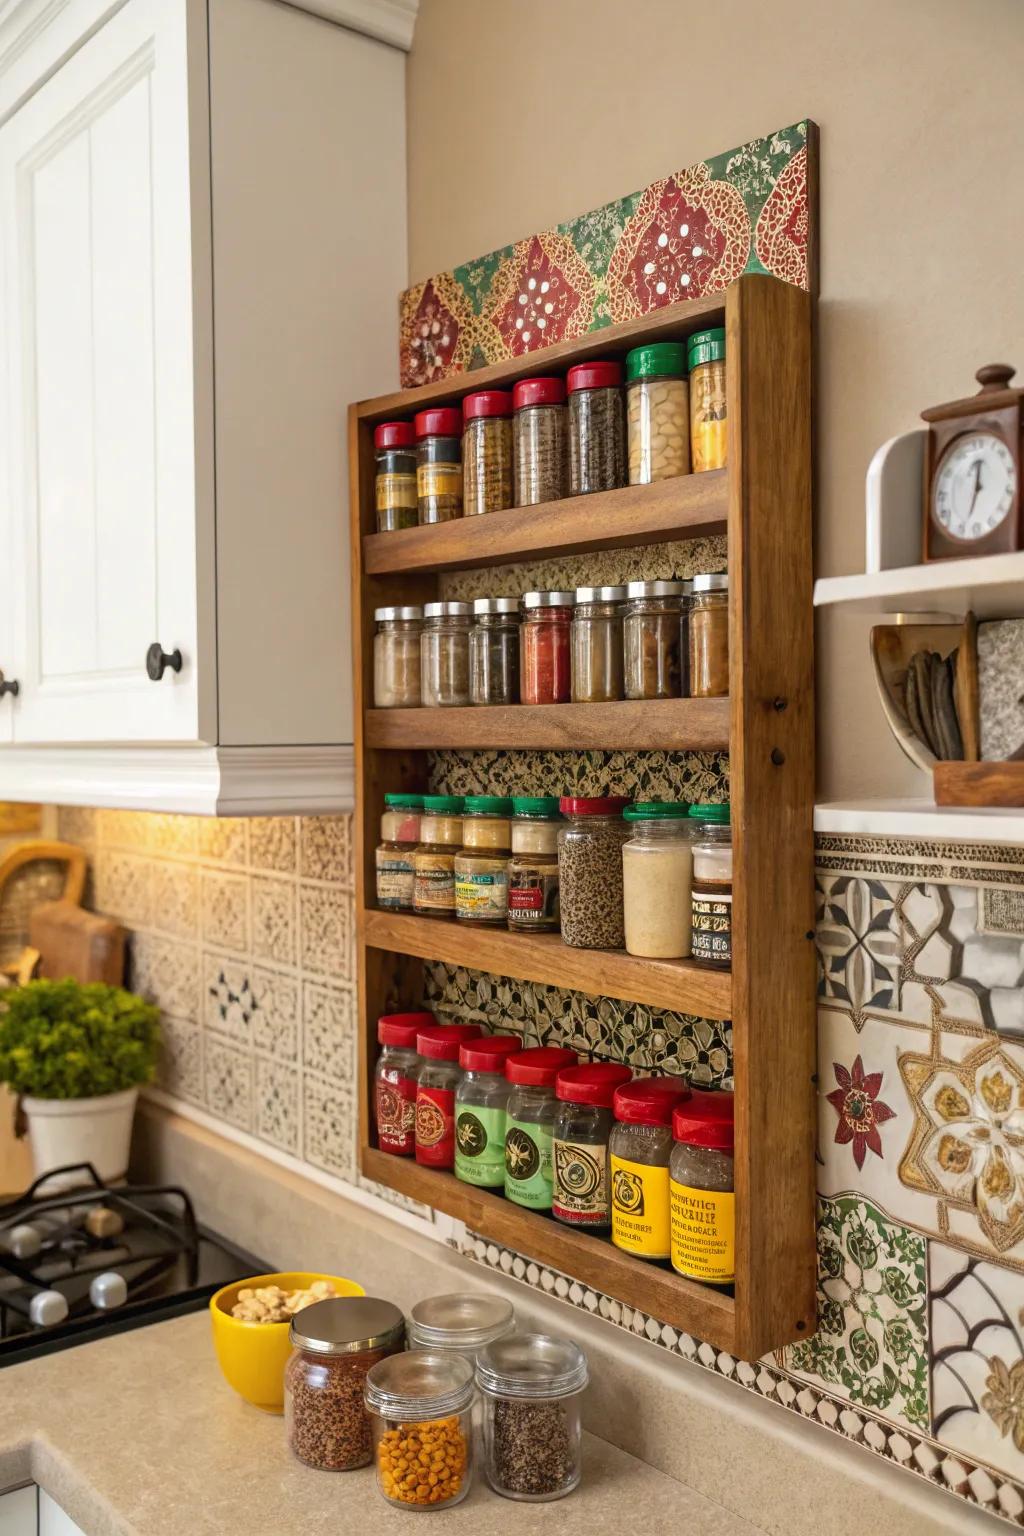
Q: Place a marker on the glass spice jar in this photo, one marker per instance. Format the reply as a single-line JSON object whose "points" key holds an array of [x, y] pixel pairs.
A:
{"points": [[487, 452], [530, 1386], [494, 651], [639, 1150], [464, 1322], [399, 837], [706, 357], [439, 1076], [657, 412], [481, 865], [533, 905], [394, 1080], [597, 428], [657, 867], [597, 645], [708, 633], [539, 441], [590, 871], [685, 604], [396, 657], [439, 464], [480, 1101], [581, 1195], [444, 655], [711, 888], [703, 1206], [433, 863], [529, 1119], [650, 639], [545, 672], [395, 485], [335, 1343], [421, 1405]]}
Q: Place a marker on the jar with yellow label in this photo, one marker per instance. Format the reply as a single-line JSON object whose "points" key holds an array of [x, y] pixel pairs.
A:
{"points": [[481, 865], [395, 451], [703, 1220], [639, 1150], [706, 359], [439, 464], [433, 863]]}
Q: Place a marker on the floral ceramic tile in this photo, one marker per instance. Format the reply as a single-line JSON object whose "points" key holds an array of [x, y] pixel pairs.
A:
{"points": [[872, 1338], [180, 1061], [859, 944], [275, 1012], [122, 886], [167, 972], [229, 1004], [276, 1116], [273, 843], [329, 1031], [224, 840], [325, 930], [273, 919], [329, 1123], [174, 894], [225, 909], [228, 1077], [697, 777], [325, 849]]}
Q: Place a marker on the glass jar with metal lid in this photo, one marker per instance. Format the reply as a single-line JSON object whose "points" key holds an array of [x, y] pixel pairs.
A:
{"points": [[597, 645], [494, 651], [533, 905], [650, 636], [465, 1322], [335, 1343], [701, 1189], [439, 464], [705, 354], [711, 886], [581, 1195], [685, 604], [709, 637], [487, 452], [439, 1077], [444, 655], [433, 863], [657, 412], [545, 671], [657, 867], [530, 1385], [480, 1100], [539, 441], [395, 487], [394, 1080], [420, 1404], [481, 865], [597, 428], [396, 657], [530, 1115], [639, 1150]]}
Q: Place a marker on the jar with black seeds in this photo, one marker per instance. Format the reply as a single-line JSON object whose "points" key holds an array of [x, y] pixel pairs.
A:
{"points": [[530, 1386], [487, 452], [334, 1344], [597, 428], [494, 651], [590, 871], [539, 441]]}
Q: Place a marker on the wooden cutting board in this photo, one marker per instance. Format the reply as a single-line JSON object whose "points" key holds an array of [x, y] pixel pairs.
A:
{"points": [[76, 943]]}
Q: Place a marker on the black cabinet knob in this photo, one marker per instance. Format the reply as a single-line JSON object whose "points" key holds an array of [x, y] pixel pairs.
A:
{"points": [[13, 687], [158, 660]]}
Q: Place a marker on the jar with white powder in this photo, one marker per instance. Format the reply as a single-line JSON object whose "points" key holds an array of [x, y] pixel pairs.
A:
{"points": [[657, 865]]}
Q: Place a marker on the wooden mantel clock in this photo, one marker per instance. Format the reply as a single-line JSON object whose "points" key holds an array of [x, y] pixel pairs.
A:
{"points": [[972, 490]]}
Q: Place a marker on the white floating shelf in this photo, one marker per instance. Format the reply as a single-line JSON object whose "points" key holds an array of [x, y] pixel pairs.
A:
{"points": [[992, 586], [920, 818]]}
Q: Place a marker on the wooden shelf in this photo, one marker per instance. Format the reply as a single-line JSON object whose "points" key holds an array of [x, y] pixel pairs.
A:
{"points": [[689, 507], [990, 586], [699, 725], [696, 1309], [679, 985]]}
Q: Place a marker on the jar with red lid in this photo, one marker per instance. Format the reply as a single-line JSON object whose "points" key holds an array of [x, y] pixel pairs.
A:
{"points": [[439, 1077], [529, 1119], [597, 428], [480, 1101], [590, 871], [395, 1078], [545, 666], [639, 1151], [579, 1145], [701, 1189], [439, 464], [539, 441], [487, 483], [395, 451]]}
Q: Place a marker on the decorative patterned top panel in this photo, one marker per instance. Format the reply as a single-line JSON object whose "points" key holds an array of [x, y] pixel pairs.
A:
{"points": [[691, 233]]}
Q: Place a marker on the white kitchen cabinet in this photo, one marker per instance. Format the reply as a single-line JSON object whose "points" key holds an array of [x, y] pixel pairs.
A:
{"points": [[202, 236], [18, 1512], [52, 1519]]}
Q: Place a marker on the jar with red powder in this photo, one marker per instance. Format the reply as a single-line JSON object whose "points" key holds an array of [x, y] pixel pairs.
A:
{"points": [[439, 1076], [545, 670], [394, 1080]]}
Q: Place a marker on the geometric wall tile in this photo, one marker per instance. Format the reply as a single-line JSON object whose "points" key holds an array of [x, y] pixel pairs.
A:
{"points": [[859, 944], [273, 919], [325, 924], [272, 843], [228, 1074], [225, 904], [276, 1115], [325, 849], [329, 1031]]}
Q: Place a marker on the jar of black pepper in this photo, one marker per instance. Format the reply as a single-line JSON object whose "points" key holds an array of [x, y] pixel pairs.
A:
{"points": [[533, 871], [590, 871], [529, 1119], [395, 445], [639, 1150], [439, 464], [539, 441], [396, 657], [335, 1343], [597, 428], [581, 1195], [530, 1385], [597, 645], [650, 638], [701, 1189], [444, 655], [487, 452], [494, 651]]}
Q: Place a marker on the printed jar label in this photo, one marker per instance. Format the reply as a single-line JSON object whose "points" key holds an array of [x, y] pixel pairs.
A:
{"points": [[528, 1165], [480, 1145], [481, 893], [533, 898], [439, 480], [434, 884], [711, 937], [396, 1114], [703, 1233], [395, 880], [396, 491], [580, 1193], [640, 1217], [435, 1126]]}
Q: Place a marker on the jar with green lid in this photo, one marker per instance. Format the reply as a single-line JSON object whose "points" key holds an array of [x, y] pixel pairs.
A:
{"points": [[480, 1101], [433, 890], [708, 637], [657, 412], [706, 357], [596, 645], [494, 651], [529, 1119], [657, 864], [533, 905], [399, 837], [439, 464], [639, 1152], [395, 451], [481, 865], [396, 657], [701, 1194], [579, 1143], [487, 452], [650, 639], [711, 886]]}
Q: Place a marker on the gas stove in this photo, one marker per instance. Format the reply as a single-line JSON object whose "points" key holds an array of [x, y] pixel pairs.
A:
{"points": [[96, 1259]]}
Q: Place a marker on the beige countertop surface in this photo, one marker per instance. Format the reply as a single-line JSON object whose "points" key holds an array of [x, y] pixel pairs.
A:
{"points": [[139, 1435]]}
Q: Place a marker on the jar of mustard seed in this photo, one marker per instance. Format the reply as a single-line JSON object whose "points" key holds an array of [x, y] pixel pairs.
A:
{"points": [[433, 862], [581, 1195], [481, 865], [706, 358], [639, 1151], [396, 657], [650, 636], [597, 645], [597, 428], [444, 655], [533, 905], [395, 450], [439, 464], [399, 837], [708, 633], [494, 651], [711, 886], [539, 441], [657, 412], [703, 1215], [487, 452]]}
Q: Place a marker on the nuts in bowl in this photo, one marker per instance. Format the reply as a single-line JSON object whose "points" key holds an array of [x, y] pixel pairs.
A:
{"points": [[270, 1304]]}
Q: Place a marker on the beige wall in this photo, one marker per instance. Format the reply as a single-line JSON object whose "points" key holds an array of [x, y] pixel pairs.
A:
{"points": [[526, 112]]}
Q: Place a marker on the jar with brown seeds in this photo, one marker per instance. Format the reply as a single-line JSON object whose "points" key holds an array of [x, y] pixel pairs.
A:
{"points": [[530, 1384], [539, 441], [657, 412], [590, 871], [651, 633], [597, 428], [487, 484], [334, 1345]]}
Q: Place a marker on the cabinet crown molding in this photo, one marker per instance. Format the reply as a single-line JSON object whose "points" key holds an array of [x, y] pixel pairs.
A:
{"points": [[389, 21]]}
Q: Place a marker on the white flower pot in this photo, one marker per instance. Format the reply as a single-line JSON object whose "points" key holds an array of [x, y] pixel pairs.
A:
{"points": [[97, 1131]]}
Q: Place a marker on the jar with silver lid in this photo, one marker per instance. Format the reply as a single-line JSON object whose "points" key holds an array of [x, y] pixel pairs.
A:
{"points": [[464, 1322], [334, 1344], [708, 634], [544, 665], [444, 655], [530, 1385], [650, 638], [494, 651], [419, 1402], [396, 657], [597, 645]]}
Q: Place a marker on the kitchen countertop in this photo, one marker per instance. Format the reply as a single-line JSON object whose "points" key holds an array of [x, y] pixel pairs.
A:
{"points": [[139, 1435]]}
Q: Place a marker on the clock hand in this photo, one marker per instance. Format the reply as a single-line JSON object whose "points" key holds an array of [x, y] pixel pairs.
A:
{"points": [[977, 487]]}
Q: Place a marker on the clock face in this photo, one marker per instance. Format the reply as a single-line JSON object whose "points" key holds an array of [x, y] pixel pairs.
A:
{"points": [[974, 486]]}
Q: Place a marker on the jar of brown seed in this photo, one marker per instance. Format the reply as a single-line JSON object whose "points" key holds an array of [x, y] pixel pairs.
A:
{"points": [[597, 428], [530, 1385], [590, 871], [487, 452], [334, 1344], [539, 441]]}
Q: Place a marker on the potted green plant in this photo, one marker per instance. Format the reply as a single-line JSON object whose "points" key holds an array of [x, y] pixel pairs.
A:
{"points": [[75, 1055]]}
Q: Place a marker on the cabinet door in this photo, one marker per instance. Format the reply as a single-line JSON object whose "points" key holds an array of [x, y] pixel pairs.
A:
{"points": [[52, 1519], [18, 1515], [109, 515]]}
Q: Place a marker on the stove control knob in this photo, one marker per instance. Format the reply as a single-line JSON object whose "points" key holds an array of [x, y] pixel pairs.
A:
{"points": [[24, 1241], [108, 1291], [102, 1222], [47, 1309]]}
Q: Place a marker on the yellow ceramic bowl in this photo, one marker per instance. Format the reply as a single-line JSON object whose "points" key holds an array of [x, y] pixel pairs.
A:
{"points": [[253, 1356]]}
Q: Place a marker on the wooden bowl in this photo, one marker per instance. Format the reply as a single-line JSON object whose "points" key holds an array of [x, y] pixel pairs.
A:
{"points": [[892, 646]]}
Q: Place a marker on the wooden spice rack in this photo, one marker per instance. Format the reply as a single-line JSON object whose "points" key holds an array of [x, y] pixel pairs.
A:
{"points": [[762, 503]]}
